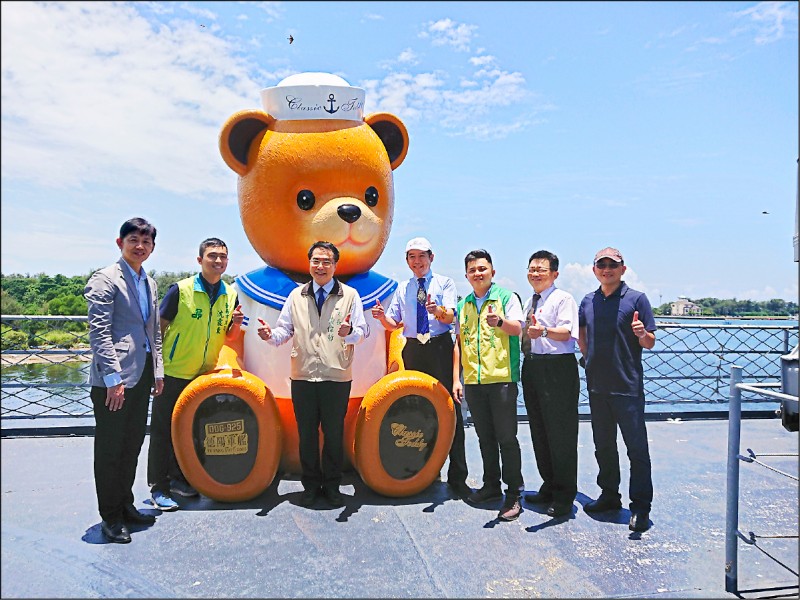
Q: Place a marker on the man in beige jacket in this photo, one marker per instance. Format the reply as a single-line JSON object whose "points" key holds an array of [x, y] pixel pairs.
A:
{"points": [[325, 319]]}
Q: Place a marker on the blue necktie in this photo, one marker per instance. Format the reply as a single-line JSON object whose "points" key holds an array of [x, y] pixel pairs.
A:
{"points": [[320, 300], [422, 313]]}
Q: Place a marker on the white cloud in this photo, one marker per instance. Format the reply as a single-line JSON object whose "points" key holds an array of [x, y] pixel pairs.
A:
{"points": [[481, 61], [579, 280], [426, 96], [373, 17], [95, 93], [769, 19], [447, 32], [272, 10]]}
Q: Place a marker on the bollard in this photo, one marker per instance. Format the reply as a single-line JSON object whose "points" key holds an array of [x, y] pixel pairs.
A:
{"points": [[732, 490]]}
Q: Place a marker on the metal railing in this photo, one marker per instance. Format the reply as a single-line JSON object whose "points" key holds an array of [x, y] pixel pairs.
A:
{"points": [[45, 361], [732, 533]]}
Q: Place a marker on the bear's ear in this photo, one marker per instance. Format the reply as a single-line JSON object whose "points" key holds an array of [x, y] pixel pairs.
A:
{"points": [[393, 134], [238, 134]]}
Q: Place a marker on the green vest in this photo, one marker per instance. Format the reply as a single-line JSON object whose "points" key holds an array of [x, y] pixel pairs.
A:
{"points": [[488, 354], [193, 340]]}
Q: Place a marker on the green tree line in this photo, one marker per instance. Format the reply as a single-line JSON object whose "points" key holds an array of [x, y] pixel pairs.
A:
{"points": [[43, 294], [716, 307]]}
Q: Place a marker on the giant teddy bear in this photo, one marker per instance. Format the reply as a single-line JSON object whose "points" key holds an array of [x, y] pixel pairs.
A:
{"points": [[311, 167]]}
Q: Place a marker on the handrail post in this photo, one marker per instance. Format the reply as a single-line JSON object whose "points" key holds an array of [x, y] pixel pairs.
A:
{"points": [[732, 490]]}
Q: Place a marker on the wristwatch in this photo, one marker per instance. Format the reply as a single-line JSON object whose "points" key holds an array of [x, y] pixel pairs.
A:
{"points": [[499, 322], [544, 332]]}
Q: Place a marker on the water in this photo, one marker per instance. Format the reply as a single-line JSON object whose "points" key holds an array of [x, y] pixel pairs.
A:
{"points": [[688, 370]]}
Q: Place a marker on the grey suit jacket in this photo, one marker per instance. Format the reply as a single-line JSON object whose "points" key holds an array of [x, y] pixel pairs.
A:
{"points": [[117, 330]]}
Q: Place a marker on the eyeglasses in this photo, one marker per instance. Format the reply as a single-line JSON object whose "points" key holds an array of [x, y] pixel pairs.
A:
{"points": [[325, 262], [537, 271], [607, 265]]}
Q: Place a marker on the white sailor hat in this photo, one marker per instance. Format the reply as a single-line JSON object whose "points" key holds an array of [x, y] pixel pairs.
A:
{"points": [[314, 96]]}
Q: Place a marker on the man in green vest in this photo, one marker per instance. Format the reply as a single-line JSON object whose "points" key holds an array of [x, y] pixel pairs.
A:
{"points": [[197, 314], [488, 325]]}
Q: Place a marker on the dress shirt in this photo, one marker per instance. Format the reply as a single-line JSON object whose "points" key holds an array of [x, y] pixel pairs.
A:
{"points": [[556, 308], [404, 304], [284, 328]]}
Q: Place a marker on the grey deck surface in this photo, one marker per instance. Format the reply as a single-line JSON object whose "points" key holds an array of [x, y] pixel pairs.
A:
{"points": [[430, 545]]}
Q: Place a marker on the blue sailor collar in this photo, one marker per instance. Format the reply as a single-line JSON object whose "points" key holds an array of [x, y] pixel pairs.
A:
{"points": [[272, 287]]}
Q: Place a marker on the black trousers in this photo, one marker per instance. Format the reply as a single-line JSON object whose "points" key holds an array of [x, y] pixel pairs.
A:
{"points": [[162, 465], [118, 439], [436, 359], [551, 386], [320, 403], [627, 413], [494, 412]]}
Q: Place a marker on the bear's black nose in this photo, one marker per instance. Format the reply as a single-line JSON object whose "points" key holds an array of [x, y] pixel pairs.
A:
{"points": [[349, 212]]}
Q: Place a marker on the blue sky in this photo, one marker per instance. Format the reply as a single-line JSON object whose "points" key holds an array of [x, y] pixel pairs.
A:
{"points": [[664, 129]]}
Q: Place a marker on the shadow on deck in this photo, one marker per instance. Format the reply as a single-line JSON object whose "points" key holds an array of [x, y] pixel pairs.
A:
{"points": [[430, 545]]}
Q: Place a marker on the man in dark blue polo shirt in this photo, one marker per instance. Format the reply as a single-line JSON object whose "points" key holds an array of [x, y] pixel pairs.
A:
{"points": [[616, 322]]}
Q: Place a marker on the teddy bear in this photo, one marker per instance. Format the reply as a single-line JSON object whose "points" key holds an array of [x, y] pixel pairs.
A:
{"points": [[311, 167]]}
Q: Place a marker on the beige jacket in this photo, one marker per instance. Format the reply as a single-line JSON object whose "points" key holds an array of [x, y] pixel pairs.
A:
{"points": [[318, 353]]}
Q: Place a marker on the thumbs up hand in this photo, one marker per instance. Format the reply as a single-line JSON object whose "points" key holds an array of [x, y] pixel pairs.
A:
{"points": [[534, 330], [264, 332], [345, 328], [377, 311], [430, 305], [492, 318], [637, 326]]}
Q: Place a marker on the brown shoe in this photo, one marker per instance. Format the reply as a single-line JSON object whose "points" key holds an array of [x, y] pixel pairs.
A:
{"points": [[510, 510]]}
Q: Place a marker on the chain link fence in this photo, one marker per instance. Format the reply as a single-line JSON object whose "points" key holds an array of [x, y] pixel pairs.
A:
{"points": [[45, 363]]}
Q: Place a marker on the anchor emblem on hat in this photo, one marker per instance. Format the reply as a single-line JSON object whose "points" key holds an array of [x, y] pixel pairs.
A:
{"points": [[332, 110]]}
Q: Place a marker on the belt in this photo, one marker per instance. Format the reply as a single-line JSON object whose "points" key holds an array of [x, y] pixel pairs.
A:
{"points": [[532, 356]]}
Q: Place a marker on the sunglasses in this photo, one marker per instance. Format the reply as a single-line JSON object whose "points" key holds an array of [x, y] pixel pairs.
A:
{"points": [[608, 265]]}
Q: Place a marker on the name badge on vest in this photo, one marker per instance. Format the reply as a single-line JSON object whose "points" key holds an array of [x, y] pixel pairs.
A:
{"points": [[423, 337]]}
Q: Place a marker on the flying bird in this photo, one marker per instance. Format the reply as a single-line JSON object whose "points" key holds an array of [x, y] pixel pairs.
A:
{"points": [[290, 38], [202, 25], [763, 212]]}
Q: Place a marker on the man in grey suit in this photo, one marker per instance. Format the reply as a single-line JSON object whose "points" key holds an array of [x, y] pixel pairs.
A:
{"points": [[126, 364]]}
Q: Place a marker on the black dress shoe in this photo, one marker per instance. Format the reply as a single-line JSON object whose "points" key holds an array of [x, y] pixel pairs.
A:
{"points": [[559, 509], [333, 496], [485, 494], [460, 489], [538, 498], [602, 504], [640, 521], [135, 517], [116, 532], [308, 497]]}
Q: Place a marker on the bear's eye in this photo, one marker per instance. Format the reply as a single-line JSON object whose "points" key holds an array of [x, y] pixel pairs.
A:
{"points": [[305, 199], [371, 196]]}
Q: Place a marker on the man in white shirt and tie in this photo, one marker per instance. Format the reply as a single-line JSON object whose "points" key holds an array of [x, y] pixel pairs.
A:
{"points": [[424, 306], [551, 384]]}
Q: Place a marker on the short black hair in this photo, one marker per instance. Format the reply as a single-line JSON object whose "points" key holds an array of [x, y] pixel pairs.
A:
{"points": [[138, 225], [326, 246], [475, 255], [544, 254], [211, 243]]}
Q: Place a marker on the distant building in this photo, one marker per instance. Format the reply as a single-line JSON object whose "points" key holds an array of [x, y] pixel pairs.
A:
{"points": [[683, 307]]}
